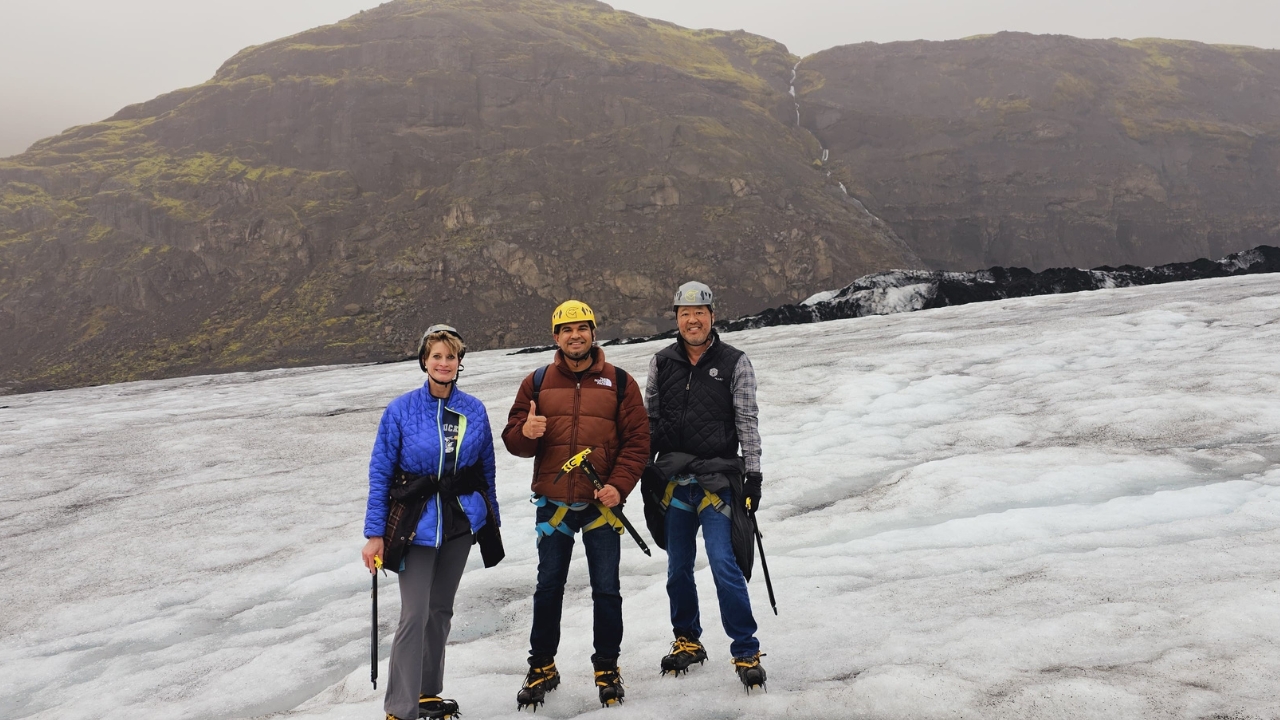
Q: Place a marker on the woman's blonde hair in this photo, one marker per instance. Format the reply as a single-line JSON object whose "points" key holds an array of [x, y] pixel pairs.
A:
{"points": [[446, 337], [440, 333]]}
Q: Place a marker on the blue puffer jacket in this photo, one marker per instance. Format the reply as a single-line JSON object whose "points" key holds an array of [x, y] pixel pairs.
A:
{"points": [[411, 435]]}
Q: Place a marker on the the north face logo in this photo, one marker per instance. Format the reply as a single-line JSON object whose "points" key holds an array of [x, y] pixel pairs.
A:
{"points": [[604, 381]]}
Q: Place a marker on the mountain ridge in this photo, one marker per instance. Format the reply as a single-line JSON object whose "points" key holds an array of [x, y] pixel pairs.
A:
{"points": [[325, 195], [1048, 150]]}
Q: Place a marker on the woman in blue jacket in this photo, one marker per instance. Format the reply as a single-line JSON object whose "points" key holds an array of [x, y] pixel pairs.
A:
{"points": [[440, 431]]}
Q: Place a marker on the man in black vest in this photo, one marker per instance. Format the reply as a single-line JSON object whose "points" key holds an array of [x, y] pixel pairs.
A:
{"points": [[701, 400]]}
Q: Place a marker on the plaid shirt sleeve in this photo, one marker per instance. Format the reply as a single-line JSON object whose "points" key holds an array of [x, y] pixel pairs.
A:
{"points": [[651, 395], [746, 413]]}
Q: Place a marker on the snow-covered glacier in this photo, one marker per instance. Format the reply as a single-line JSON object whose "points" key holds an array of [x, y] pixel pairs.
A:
{"points": [[1064, 506]]}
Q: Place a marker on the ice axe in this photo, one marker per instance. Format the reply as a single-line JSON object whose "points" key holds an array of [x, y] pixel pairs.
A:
{"points": [[373, 632], [763, 565], [580, 461]]}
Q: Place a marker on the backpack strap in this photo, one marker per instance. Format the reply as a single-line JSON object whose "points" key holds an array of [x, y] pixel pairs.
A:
{"points": [[537, 380], [620, 379]]}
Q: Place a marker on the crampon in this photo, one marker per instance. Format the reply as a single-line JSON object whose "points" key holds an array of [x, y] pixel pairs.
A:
{"points": [[750, 672], [435, 708], [684, 652], [542, 679], [609, 683]]}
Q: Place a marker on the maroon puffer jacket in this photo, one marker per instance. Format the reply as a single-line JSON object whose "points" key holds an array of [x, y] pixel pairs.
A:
{"points": [[581, 415]]}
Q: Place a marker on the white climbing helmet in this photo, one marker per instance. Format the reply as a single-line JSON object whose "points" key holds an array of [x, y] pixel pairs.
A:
{"points": [[693, 293]]}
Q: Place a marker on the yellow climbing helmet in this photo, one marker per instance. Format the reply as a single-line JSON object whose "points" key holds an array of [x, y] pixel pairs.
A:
{"points": [[572, 311]]}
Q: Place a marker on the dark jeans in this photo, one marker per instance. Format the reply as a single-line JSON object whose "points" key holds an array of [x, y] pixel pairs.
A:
{"points": [[731, 586], [604, 548]]}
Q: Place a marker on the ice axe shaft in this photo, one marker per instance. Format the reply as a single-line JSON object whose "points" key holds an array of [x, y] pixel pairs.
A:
{"points": [[626, 524], [373, 631], [580, 461], [764, 565]]}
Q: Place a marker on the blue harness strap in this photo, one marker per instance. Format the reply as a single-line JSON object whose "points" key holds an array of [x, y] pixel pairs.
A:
{"points": [[709, 499]]}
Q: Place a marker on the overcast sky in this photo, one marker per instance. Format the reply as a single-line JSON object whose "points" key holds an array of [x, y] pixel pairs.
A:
{"points": [[69, 62]]}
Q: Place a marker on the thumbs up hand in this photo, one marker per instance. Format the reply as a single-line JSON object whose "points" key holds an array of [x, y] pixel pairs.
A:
{"points": [[534, 425]]}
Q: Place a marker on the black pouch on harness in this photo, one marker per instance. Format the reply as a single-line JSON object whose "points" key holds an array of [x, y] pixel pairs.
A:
{"points": [[469, 480], [653, 485], [489, 538], [407, 487]]}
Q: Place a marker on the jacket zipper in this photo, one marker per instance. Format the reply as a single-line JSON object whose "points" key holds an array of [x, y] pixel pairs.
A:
{"points": [[573, 440], [439, 472], [457, 454], [684, 409], [688, 383]]}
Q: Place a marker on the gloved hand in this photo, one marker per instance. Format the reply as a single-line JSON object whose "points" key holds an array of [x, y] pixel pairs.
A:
{"points": [[751, 489]]}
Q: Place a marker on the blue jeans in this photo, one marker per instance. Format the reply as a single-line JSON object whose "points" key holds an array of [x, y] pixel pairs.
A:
{"points": [[731, 586], [604, 548]]}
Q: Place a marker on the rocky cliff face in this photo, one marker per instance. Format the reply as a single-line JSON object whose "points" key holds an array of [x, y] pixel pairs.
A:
{"points": [[1045, 151], [325, 197]]}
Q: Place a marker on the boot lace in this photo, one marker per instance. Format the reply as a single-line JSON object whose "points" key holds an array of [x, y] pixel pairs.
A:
{"points": [[539, 675], [605, 678], [684, 645]]}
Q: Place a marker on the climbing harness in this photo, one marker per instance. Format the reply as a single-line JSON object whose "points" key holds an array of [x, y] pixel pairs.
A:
{"points": [[709, 499], [556, 522]]}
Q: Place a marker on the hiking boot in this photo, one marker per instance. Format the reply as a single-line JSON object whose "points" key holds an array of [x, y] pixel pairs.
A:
{"points": [[685, 651], [437, 708], [750, 671], [542, 679], [609, 682]]}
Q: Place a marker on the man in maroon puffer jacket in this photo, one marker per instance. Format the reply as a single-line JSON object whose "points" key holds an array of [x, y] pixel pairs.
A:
{"points": [[578, 406]]}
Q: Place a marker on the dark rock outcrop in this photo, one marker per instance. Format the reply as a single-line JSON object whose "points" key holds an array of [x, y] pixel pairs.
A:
{"points": [[898, 291]]}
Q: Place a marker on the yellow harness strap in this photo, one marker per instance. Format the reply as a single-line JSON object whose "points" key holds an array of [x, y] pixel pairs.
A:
{"points": [[558, 516], [606, 518], [709, 499], [555, 522]]}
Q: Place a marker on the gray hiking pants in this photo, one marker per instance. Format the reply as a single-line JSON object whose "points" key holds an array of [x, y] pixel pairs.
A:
{"points": [[428, 584]]}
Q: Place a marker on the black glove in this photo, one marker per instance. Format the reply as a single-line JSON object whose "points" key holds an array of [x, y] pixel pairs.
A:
{"points": [[751, 489]]}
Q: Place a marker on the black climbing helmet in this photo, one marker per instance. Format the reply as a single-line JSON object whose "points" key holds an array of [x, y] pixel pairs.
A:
{"points": [[433, 330]]}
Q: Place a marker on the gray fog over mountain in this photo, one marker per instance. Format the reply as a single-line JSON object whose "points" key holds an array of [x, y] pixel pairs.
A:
{"points": [[78, 61]]}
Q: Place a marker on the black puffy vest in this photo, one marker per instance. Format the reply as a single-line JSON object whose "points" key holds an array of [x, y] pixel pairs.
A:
{"points": [[695, 402]]}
